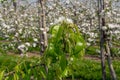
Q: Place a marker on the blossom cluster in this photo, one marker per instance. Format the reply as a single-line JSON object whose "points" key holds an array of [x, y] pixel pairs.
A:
{"points": [[22, 30]]}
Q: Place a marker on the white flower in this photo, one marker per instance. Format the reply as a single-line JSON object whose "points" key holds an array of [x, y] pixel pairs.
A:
{"points": [[60, 19], [16, 22], [113, 26], [11, 29], [0, 15], [109, 14], [92, 34], [44, 32], [16, 34], [34, 44], [67, 1], [42, 42], [116, 32], [11, 45], [90, 40], [47, 29], [88, 44], [42, 29], [35, 39], [51, 23], [21, 46], [11, 9], [25, 15], [7, 36], [20, 30], [85, 24], [69, 20], [104, 28], [27, 44], [6, 26], [97, 50]]}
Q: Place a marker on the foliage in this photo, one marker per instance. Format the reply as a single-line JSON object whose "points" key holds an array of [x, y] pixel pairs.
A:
{"points": [[92, 50], [19, 29], [84, 69], [16, 68], [66, 44]]}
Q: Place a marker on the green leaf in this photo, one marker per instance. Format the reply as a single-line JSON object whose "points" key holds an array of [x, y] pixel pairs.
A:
{"points": [[63, 62], [1, 75], [2, 1], [42, 72], [54, 30], [66, 42], [16, 77], [50, 75]]}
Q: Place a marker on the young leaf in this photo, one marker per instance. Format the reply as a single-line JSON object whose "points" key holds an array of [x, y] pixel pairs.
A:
{"points": [[1, 75]]}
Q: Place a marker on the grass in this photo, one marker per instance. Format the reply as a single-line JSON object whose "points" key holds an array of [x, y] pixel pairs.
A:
{"points": [[84, 70], [91, 70], [10, 61], [92, 50]]}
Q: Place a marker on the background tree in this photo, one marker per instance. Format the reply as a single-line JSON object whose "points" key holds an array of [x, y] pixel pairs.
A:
{"points": [[104, 42], [42, 24]]}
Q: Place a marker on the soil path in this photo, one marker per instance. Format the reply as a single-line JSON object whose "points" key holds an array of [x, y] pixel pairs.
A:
{"points": [[92, 57]]}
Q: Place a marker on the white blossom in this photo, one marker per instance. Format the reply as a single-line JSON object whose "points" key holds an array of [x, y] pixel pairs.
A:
{"points": [[34, 44], [21, 46], [88, 44], [104, 28], [60, 19], [20, 30], [17, 34], [113, 26], [6, 26], [67, 1], [42, 29], [116, 32], [44, 32], [27, 44], [90, 40], [35, 39]]}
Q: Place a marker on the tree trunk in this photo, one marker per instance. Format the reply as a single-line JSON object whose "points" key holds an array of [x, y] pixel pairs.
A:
{"points": [[102, 41], [14, 4], [112, 71], [43, 31], [42, 24]]}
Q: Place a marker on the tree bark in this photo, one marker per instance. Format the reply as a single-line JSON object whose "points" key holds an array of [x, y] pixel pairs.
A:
{"points": [[14, 5], [43, 31], [102, 41], [112, 71], [42, 24]]}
